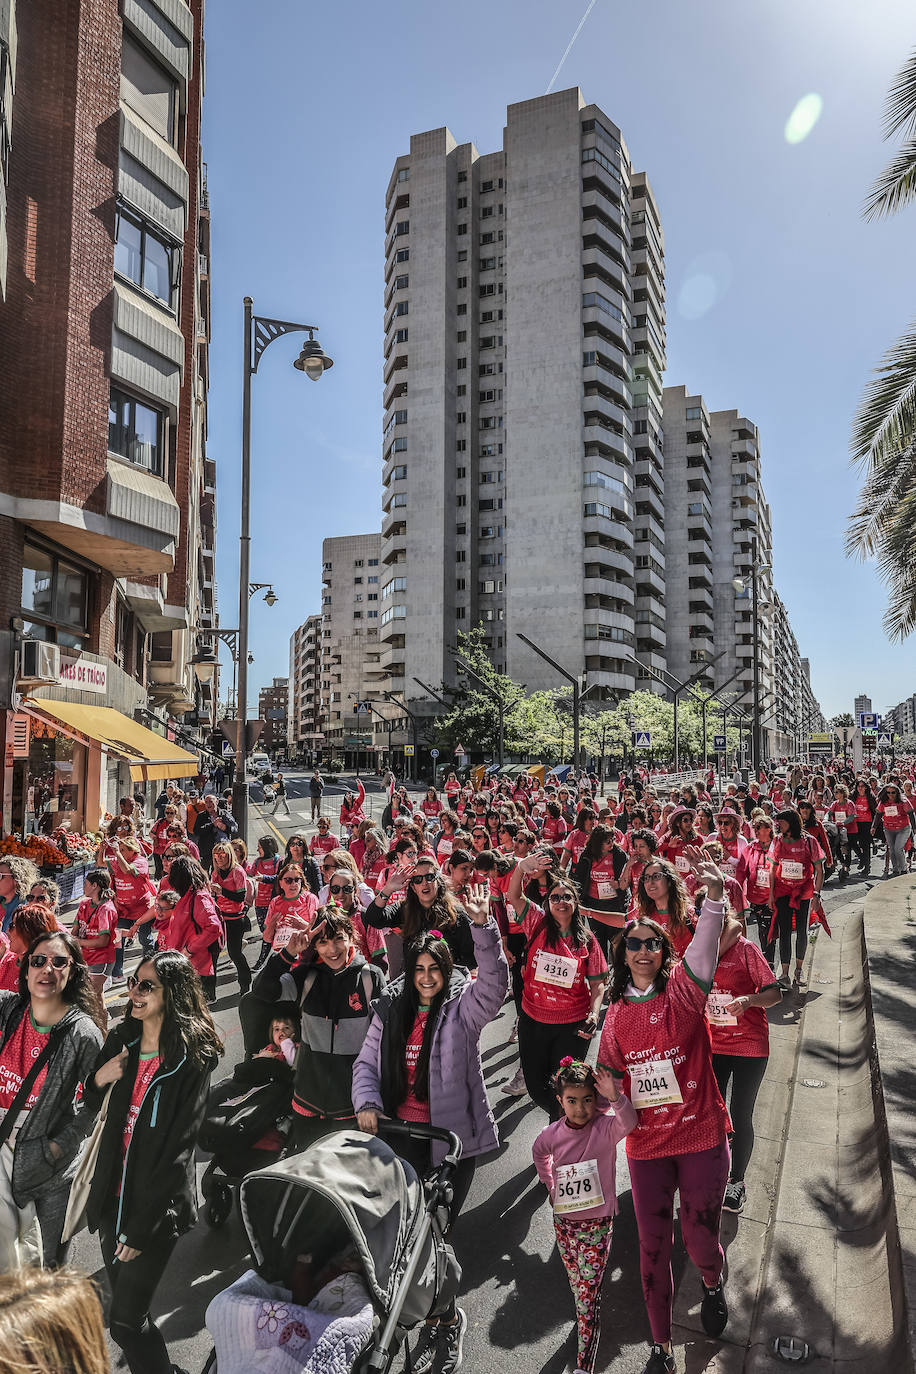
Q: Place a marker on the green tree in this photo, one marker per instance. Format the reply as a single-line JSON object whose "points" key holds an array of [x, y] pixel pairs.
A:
{"points": [[474, 716], [883, 525], [844, 719]]}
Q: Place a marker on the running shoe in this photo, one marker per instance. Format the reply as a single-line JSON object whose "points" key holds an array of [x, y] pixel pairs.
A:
{"points": [[515, 1086], [714, 1309], [451, 1344], [782, 982], [513, 1038], [660, 1361], [734, 1197], [424, 1352]]}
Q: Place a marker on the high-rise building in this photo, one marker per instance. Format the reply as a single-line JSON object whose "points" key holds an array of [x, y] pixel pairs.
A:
{"points": [[273, 708], [524, 349], [863, 705], [350, 671], [107, 513], [901, 719], [304, 735]]}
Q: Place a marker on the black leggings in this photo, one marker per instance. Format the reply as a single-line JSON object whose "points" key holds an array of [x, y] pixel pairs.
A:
{"points": [[541, 1046], [746, 1075], [208, 980], [861, 843], [132, 1287], [784, 924], [762, 916], [235, 940]]}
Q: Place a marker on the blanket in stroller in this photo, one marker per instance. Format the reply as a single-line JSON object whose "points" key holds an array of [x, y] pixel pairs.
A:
{"points": [[255, 1325]]}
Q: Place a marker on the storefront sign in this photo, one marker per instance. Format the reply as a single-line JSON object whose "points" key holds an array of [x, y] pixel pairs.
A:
{"points": [[83, 675]]}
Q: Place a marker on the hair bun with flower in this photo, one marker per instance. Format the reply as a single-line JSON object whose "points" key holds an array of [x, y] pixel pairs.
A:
{"points": [[566, 1062], [437, 934]]}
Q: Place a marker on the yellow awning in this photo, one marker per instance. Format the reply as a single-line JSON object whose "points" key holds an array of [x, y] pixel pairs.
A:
{"points": [[151, 757]]}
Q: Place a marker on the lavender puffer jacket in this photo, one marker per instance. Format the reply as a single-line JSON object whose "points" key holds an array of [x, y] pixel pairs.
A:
{"points": [[457, 1094]]}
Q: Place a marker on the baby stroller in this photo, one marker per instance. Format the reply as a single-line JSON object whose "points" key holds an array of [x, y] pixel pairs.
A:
{"points": [[349, 1254], [247, 1119]]}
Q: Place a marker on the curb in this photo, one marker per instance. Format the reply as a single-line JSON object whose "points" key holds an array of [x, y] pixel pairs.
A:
{"points": [[831, 1275]]}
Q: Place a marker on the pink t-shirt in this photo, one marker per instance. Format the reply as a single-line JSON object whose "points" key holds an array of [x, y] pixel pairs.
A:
{"points": [[146, 1072], [560, 1144]]}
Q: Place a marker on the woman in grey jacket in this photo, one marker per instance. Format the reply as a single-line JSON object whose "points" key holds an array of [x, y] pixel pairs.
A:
{"points": [[49, 1021], [420, 1062]]}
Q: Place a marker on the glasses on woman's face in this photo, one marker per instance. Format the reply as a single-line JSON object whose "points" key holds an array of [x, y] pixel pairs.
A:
{"points": [[340, 887], [563, 898], [295, 880], [654, 877], [144, 985], [57, 961], [652, 944], [418, 879]]}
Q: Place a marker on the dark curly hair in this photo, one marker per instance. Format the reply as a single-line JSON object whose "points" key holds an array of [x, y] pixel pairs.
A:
{"points": [[620, 973], [578, 1074], [187, 1026]]}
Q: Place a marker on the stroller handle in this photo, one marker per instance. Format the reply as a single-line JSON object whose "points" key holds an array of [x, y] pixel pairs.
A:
{"points": [[420, 1131]]}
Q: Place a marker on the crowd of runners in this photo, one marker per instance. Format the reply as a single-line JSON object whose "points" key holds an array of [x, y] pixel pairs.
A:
{"points": [[642, 930]]}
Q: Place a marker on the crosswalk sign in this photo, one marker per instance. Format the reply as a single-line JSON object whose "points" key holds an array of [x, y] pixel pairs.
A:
{"points": [[642, 739], [884, 741]]}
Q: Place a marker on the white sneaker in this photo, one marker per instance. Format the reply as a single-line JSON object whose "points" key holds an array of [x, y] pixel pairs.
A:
{"points": [[515, 1086]]}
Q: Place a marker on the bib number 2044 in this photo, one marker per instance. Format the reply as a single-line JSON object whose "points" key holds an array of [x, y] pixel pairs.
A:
{"points": [[654, 1084]]}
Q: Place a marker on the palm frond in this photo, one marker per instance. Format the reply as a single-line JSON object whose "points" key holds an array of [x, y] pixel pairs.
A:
{"points": [[895, 187], [885, 420], [897, 567], [879, 503], [900, 112]]}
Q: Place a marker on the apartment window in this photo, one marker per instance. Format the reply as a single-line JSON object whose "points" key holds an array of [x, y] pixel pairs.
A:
{"points": [[402, 308], [401, 283], [489, 476], [402, 227], [490, 395], [488, 341], [358, 597], [488, 237], [146, 256], [149, 89], [593, 300], [461, 363], [461, 336], [372, 615], [402, 255], [461, 283], [486, 186], [398, 475], [461, 255], [326, 567], [358, 581], [399, 446], [461, 556], [397, 584], [462, 202], [160, 646], [357, 615], [462, 229], [462, 176], [696, 508], [607, 632], [491, 532], [460, 612], [461, 309], [693, 413], [593, 155], [461, 445], [460, 584], [372, 596], [460, 391], [486, 212], [461, 529], [56, 593], [371, 580], [492, 422], [489, 289], [136, 431], [491, 503], [491, 451], [373, 563], [400, 498], [460, 417], [461, 500], [486, 264]]}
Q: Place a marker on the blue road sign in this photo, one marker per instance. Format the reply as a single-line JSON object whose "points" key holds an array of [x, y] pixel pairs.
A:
{"points": [[434, 753], [718, 744], [642, 739]]}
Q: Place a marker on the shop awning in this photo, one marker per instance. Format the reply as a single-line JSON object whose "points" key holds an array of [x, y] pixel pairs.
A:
{"points": [[151, 757]]}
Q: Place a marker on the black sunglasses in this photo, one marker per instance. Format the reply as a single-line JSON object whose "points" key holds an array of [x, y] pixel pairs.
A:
{"points": [[652, 944], [57, 961], [342, 887], [145, 986], [418, 878]]}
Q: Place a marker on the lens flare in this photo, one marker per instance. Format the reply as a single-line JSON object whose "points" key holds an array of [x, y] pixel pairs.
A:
{"points": [[706, 281], [803, 118]]}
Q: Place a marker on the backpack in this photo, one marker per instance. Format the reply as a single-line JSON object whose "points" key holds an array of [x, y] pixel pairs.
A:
{"points": [[242, 1108]]}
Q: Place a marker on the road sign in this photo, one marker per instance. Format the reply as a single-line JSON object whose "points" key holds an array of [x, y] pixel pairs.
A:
{"points": [[434, 753], [718, 744], [869, 720], [228, 751], [885, 740], [363, 706], [642, 739], [820, 737], [408, 751]]}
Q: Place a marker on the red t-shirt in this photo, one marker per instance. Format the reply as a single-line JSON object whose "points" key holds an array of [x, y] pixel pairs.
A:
{"points": [[264, 871], [602, 887], [742, 970], [556, 983], [668, 1026], [863, 810], [95, 920], [732, 853], [673, 849], [146, 1072], [19, 1053], [575, 842], [794, 860], [431, 807], [323, 844], [9, 972], [133, 891], [412, 1109], [844, 813], [894, 815], [555, 831], [758, 862]]}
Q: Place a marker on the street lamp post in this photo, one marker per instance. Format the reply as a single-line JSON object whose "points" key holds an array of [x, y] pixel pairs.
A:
{"points": [[415, 729], [491, 692], [576, 686], [314, 362], [676, 691]]}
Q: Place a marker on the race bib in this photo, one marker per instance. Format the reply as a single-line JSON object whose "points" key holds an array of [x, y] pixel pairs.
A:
{"points": [[890, 811], [820, 812], [654, 1084], [283, 937], [578, 1187], [792, 872], [555, 969], [729, 867], [840, 817], [716, 1014], [445, 846], [606, 891]]}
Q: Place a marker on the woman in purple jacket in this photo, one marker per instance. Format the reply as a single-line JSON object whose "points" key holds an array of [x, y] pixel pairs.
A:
{"points": [[420, 1061]]}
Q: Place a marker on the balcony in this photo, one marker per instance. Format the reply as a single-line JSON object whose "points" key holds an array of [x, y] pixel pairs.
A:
{"points": [[604, 209], [613, 528], [600, 267], [744, 448], [598, 381], [394, 525], [594, 584], [609, 324], [648, 583], [605, 414], [598, 437]]}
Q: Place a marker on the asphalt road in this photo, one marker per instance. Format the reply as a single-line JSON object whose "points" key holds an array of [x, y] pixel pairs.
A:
{"points": [[514, 1286]]}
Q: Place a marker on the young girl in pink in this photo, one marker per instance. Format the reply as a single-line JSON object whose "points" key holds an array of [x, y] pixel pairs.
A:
{"points": [[576, 1158]]}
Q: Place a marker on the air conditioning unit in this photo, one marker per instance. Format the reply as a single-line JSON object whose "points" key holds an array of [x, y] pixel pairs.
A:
{"points": [[39, 662]]}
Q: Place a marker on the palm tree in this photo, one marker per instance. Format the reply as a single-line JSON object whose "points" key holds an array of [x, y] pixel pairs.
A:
{"points": [[883, 525]]}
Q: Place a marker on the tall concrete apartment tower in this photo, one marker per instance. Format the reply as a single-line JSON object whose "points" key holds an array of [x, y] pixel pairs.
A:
{"points": [[350, 672], [524, 350], [715, 508]]}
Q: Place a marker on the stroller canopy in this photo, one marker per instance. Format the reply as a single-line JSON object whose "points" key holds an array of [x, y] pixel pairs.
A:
{"points": [[348, 1188]]}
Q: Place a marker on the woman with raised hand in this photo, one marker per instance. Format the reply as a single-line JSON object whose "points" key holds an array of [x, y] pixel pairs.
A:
{"points": [[656, 1041]]}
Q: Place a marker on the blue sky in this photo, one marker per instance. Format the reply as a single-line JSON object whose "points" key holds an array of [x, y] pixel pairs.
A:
{"points": [[306, 108]]}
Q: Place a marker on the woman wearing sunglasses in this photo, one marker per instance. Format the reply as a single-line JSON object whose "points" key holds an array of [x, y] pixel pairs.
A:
{"points": [[291, 910], [143, 1194], [297, 852], [656, 1040], [428, 904], [49, 1022], [28, 923], [345, 893], [563, 981]]}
